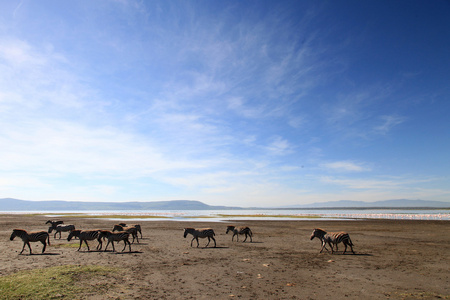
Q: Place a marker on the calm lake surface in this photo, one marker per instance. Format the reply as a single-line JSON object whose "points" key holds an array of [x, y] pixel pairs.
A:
{"points": [[260, 214]]}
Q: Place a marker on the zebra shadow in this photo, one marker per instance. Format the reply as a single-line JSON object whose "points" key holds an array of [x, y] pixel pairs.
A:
{"points": [[41, 254], [122, 253], [218, 247], [349, 254]]}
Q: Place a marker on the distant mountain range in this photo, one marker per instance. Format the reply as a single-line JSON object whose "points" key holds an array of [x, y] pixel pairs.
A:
{"points": [[10, 204]]}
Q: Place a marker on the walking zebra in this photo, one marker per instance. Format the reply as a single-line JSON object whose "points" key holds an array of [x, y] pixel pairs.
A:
{"points": [[332, 238], [38, 236], [138, 227], [86, 235], [200, 233], [54, 223], [132, 230], [241, 230], [59, 228], [115, 236]]}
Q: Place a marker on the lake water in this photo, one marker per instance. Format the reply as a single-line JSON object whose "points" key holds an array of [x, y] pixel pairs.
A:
{"points": [[264, 214]]}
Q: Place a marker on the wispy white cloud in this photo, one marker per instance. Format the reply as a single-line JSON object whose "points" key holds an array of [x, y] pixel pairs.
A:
{"points": [[345, 166], [388, 122]]}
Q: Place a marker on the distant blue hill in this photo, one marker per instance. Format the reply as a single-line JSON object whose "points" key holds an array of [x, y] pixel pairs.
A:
{"points": [[10, 204]]}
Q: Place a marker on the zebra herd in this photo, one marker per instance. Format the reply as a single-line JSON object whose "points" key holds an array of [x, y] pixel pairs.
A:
{"points": [[123, 233]]}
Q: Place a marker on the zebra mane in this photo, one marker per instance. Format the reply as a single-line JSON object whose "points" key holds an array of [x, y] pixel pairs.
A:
{"points": [[320, 230], [23, 230]]}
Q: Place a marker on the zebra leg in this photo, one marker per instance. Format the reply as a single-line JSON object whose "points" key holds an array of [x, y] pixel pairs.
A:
{"points": [[323, 246], [245, 238], [214, 242], [100, 244], [108, 244], [209, 240], [137, 238], [81, 242], [193, 240], [23, 248], [85, 241], [125, 242], [45, 246]]}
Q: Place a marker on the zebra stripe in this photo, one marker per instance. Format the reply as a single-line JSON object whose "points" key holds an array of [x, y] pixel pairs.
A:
{"points": [[201, 233], [241, 230], [132, 230], [38, 236], [54, 223], [333, 239], [138, 227], [60, 228], [86, 235], [115, 236]]}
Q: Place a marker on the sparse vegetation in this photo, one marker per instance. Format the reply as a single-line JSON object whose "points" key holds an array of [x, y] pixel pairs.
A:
{"points": [[61, 282]]}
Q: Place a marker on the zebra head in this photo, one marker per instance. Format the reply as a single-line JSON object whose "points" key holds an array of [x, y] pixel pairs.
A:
{"points": [[73, 233], [187, 231], [318, 233], [50, 229], [13, 235], [230, 228]]}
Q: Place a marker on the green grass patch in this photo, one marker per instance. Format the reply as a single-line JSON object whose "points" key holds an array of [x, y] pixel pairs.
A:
{"points": [[62, 282]]}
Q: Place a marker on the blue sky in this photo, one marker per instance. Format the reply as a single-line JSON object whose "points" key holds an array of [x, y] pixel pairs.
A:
{"points": [[247, 103]]}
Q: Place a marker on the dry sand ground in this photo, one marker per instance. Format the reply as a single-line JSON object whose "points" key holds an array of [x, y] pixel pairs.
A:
{"points": [[394, 259]]}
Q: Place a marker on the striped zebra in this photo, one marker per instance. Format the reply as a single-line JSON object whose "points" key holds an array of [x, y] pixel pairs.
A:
{"points": [[240, 230], [37, 236], [86, 235], [60, 228], [54, 223], [200, 233], [115, 237], [332, 238], [132, 230], [138, 227]]}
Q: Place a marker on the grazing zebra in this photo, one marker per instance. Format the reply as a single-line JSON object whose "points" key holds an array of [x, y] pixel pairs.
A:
{"points": [[38, 236], [138, 227], [241, 230], [201, 233], [132, 230], [54, 223], [86, 235], [115, 236], [333, 238], [59, 228]]}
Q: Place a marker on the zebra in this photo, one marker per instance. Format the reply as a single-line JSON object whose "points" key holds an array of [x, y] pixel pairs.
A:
{"points": [[86, 235], [59, 228], [241, 230], [115, 236], [132, 230], [54, 223], [200, 233], [138, 227], [37, 236], [332, 238]]}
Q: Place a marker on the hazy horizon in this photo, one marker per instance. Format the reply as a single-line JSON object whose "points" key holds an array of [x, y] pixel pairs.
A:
{"points": [[254, 103]]}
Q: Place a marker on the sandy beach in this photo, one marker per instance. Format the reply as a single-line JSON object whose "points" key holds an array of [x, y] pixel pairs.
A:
{"points": [[398, 259]]}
